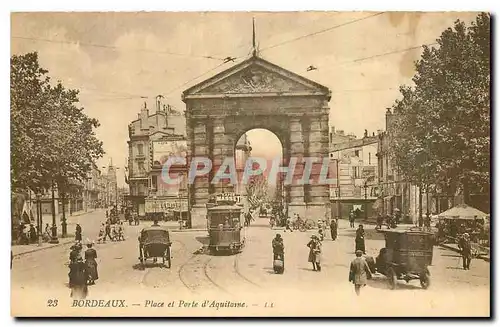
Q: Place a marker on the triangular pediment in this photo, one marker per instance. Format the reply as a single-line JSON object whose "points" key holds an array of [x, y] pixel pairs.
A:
{"points": [[256, 76]]}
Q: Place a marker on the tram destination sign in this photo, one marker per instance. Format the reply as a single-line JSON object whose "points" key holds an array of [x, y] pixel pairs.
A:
{"points": [[228, 197], [165, 205]]}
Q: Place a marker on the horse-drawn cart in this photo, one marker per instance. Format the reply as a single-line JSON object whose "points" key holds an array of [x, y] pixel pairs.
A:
{"points": [[154, 243]]}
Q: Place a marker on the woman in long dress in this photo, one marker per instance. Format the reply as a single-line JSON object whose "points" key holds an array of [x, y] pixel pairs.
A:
{"points": [[315, 252], [90, 261], [78, 279]]}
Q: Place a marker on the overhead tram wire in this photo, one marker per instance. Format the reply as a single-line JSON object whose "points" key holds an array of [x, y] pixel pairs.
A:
{"points": [[111, 47], [321, 31], [192, 79], [389, 53]]}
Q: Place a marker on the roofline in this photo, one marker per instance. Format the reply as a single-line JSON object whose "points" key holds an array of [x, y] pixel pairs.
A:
{"points": [[346, 145], [248, 61], [155, 113]]}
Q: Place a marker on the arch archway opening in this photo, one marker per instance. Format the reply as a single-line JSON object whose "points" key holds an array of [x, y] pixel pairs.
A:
{"points": [[260, 192]]}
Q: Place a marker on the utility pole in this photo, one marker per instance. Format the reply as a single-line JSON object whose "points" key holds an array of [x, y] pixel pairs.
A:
{"points": [[39, 216], [338, 189], [54, 239], [366, 202]]}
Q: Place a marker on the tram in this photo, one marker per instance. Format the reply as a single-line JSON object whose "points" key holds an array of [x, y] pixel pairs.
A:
{"points": [[224, 224]]}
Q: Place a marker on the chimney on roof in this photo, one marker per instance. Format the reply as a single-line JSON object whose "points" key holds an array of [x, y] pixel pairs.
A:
{"points": [[143, 116], [332, 132]]}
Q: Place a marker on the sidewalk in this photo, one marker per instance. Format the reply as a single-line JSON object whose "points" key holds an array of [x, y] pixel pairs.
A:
{"points": [[18, 250]]}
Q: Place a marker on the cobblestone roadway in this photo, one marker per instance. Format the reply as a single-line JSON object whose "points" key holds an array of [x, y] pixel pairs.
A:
{"points": [[249, 275]]}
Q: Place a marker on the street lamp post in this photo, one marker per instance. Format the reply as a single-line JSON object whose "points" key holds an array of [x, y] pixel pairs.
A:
{"points": [[366, 202], [54, 239], [39, 217]]}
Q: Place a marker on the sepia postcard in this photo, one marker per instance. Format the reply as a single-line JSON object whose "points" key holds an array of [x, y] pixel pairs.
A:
{"points": [[250, 164]]}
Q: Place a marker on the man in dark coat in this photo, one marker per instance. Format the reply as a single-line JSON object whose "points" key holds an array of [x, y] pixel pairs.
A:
{"points": [[360, 239], [380, 221], [351, 219], [90, 261], [359, 272], [107, 232], [33, 234], [466, 250], [78, 233], [333, 229], [278, 247]]}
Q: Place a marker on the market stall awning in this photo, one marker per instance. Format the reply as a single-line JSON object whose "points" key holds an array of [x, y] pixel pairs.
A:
{"points": [[462, 211]]}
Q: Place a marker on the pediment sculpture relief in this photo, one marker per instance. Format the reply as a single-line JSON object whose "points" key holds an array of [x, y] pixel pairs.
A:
{"points": [[255, 80]]}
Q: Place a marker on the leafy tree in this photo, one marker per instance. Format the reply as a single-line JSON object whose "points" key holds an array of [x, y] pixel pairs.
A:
{"points": [[52, 139], [257, 191], [32, 124], [441, 132]]}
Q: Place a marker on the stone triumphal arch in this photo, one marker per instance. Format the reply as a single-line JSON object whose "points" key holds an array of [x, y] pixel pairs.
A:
{"points": [[258, 94]]}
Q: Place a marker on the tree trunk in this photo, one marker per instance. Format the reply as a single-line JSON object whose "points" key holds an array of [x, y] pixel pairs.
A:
{"points": [[420, 202], [466, 191], [63, 219]]}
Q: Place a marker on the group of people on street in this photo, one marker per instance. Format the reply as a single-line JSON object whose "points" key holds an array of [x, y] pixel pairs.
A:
{"points": [[359, 271], [82, 269], [115, 232]]}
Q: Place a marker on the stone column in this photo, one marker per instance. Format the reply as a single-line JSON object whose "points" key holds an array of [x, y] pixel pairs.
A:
{"points": [[319, 199], [222, 149], [200, 186], [296, 192]]}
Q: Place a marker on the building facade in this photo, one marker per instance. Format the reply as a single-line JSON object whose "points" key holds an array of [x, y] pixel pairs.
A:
{"points": [[151, 138], [356, 163]]}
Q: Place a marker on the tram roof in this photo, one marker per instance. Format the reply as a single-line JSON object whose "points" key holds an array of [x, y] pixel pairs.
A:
{"points": [[225, 208]]}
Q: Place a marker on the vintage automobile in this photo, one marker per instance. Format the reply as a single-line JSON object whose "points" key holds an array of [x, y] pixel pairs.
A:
{"points": [[406, 256], [154, 243], [225, 228]]}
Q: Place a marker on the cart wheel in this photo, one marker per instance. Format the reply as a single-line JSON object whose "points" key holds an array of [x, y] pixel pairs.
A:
{"points": [[392, 278], [425, 280]]}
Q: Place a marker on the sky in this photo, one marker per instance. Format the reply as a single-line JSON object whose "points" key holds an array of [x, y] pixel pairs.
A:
{"points": [[120, 60]]}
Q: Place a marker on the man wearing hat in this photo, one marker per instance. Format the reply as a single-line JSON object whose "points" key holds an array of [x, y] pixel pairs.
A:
{"points": [[333, 229], [278, 251], [359, 272], [466, 249], [360, 239], [90, 261]]}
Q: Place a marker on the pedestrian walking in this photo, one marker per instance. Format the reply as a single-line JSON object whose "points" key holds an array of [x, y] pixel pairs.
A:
{"points": [[78, 233], [427, 221], [333, 229], [278, 254], [75, 252], [32, 234], [360, 239], [288, 224], [90, 261], [78, 277], [466, 250], [359, 272], [351, 219], [107, 232], [380, 221], [315, 252]]}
